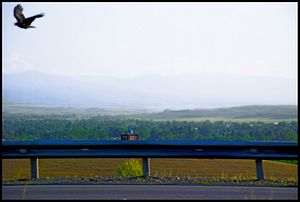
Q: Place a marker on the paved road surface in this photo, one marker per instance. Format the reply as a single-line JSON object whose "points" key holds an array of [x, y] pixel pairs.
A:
{"points": [[145, 192]]}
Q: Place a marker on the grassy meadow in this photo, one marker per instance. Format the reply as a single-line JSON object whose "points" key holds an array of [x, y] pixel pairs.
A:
{"points": [[14, 169]]}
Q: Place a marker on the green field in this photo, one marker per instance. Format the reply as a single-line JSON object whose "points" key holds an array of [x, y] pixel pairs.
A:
{"points": [[288, 161], [266, 113], [214, 119]]}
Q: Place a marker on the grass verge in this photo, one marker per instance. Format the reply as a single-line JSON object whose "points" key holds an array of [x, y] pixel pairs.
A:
{"points": [[104, 170]]}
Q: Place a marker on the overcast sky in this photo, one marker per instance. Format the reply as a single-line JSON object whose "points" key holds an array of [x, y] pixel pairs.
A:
{"points": [[132, 39]]}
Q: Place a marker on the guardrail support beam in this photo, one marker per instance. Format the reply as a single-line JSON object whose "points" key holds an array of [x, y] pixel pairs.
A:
{"points": [[146, 167], [34, 162], [259, 169]]}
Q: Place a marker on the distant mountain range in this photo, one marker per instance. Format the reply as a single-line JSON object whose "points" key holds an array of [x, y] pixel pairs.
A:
{"points": [[153, 92]]}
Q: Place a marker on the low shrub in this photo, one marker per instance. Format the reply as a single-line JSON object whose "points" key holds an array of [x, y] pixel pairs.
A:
{"points": [[130, 168]]}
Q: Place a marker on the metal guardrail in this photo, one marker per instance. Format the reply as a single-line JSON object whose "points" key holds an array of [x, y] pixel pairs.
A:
{"points": [[150, 149]]}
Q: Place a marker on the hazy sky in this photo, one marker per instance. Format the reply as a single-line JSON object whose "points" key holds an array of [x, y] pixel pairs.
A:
{"points": [[131, 39]]}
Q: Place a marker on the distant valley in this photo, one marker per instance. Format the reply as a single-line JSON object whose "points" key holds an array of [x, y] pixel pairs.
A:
{"points": [[254, 112]]}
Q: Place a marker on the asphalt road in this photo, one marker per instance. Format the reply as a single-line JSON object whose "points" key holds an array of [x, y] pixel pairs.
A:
{"points": [[145, 192]]}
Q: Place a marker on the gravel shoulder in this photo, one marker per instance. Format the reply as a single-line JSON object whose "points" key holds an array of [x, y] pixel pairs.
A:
{"points": [[165, 180]]}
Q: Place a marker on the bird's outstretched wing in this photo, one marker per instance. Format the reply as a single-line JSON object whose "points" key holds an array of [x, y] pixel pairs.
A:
{"points": [[18, 13], [30, 19]]}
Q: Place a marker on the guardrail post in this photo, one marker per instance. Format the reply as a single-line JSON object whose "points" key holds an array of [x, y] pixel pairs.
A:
{"points": [[34, 162], [259, 169], [146, 167]]}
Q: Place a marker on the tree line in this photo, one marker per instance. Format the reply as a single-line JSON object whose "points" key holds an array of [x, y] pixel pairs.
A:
{"points": [[110, 128]]}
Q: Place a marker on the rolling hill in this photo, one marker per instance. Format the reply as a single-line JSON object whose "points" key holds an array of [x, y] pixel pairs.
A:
{"points": [[243, 112]]}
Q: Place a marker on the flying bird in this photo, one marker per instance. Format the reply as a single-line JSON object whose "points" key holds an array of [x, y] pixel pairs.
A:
{"points": [[22, 21]]}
